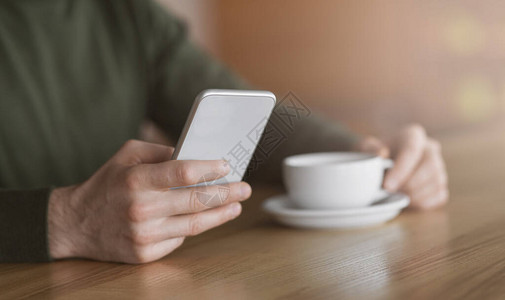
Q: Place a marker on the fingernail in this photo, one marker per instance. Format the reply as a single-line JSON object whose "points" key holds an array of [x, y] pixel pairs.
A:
{"points": [[235, 209], [225, 166], [245, 191]]}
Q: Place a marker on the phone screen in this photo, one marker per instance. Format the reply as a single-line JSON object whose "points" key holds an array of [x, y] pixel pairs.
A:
{"points": [[226, 124]]}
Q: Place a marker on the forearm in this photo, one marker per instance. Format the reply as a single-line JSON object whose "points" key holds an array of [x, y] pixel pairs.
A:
{"points": [[35, 225], [23, 225]]}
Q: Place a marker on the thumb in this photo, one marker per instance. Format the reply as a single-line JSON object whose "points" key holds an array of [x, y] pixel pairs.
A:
{"points": [[374, 146]]}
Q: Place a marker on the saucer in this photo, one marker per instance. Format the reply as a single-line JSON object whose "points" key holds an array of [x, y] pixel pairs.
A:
{"points": [[388, 206]]}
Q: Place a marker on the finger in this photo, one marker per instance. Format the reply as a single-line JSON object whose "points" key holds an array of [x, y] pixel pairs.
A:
{"points": [[196, 199], [410, 152], [136, 152], [155, 251], [193, 224], [425, 192], [430, 198], [430, 169], [178, 173], [165, 247], [374, 146], [430, 194], [187, 200]]}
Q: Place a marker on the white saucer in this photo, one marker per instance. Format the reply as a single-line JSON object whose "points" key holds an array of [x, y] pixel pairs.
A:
{"points": [[384, 209]]}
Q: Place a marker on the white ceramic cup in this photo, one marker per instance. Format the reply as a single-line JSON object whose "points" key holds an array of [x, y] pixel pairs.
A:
{"points": [[334, 180]]}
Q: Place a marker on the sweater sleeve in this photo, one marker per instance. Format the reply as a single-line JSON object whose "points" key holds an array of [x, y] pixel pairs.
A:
{"points": [[179, 71], [23, 225]]}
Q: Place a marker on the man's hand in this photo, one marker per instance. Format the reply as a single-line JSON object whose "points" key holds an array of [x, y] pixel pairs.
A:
{"points": [[419, 168], [126, 212]]}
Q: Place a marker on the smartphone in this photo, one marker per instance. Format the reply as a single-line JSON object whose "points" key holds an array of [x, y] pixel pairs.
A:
{"points": [[225, 124]]}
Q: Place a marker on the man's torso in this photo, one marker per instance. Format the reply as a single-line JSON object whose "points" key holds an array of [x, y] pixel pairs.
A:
{"points": [[72, 88]]}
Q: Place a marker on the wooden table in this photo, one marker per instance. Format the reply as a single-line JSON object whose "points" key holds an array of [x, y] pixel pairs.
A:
{"points": [[455, 252]]}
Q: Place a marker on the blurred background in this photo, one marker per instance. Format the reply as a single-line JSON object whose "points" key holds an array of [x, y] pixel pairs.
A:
{"points": [[374, 65]]}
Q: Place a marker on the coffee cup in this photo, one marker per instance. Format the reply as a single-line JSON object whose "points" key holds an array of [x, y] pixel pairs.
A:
{"points": [[334, 180]]}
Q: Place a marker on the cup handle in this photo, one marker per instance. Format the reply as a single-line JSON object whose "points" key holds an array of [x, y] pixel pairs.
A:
{"points": [[387, 163]]}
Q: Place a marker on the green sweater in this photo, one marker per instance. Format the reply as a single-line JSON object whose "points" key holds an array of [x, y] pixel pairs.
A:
{"points": [[77, 78]]}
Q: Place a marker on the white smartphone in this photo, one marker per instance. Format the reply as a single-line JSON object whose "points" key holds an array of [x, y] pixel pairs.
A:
{"points": [[225, 124]]}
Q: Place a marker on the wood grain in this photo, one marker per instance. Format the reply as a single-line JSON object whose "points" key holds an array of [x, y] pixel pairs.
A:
{"points": [[456, 252]]}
